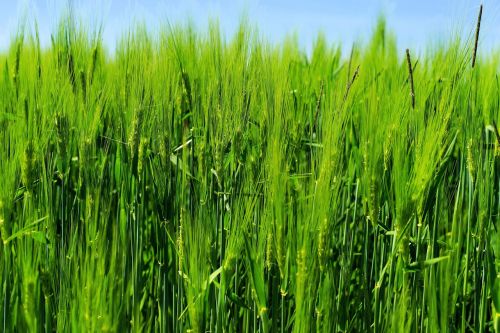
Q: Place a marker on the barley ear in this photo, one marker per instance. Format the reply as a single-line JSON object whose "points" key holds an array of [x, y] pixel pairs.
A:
{"points": [[476, 40], [410, 78]]}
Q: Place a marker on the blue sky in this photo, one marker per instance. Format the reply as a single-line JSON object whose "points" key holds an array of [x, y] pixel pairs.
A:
{"points": [[416, 23]]}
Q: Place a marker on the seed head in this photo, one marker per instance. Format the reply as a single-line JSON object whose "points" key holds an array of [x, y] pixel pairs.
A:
{"points": [[28, 169], [93, 63], [280, 252], [62, 132], [4, 226], [135, 134], [470, 160], [476, 41], [142, 155], [180, 240], [269, 251], [322, 244]]}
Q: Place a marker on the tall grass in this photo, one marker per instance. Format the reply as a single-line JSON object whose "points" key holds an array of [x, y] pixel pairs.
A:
{"points": [[192, 183]]}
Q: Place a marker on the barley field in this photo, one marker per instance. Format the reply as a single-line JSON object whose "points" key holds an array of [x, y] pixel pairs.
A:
{"points": [[191, 183]]}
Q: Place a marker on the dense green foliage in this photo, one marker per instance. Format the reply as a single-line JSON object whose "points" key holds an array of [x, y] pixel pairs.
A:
{"points": [[188, 183]]}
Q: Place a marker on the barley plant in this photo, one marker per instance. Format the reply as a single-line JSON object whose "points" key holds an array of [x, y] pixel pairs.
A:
{"points": [[191, 183]]}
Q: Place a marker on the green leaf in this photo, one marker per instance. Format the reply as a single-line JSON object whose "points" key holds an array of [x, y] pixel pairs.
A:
{"points": [[39, 236]]}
